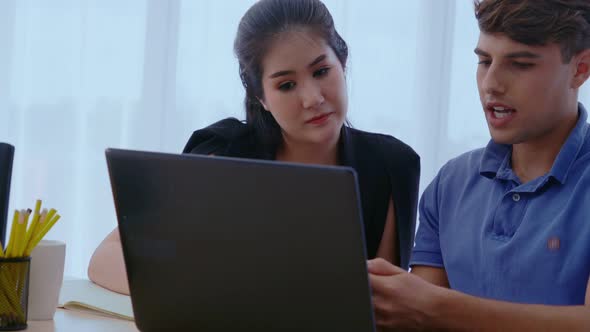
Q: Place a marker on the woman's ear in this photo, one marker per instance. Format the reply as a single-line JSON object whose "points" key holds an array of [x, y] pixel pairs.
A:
{"points": [[261, 101], [582, 68]]}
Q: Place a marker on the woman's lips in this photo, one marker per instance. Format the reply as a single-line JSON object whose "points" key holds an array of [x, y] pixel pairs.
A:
{"points": [[320, 119]]}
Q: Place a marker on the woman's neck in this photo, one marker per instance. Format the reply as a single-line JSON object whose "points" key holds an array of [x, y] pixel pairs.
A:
{"points": [[298, 152]]}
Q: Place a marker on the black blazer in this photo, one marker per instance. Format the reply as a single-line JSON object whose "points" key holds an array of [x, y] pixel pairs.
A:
{"points": [[386, 167]]}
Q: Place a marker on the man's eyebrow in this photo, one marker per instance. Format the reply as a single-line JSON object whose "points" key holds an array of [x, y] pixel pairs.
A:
{"points": [[523, 54], [481, 52], [519, 54]]}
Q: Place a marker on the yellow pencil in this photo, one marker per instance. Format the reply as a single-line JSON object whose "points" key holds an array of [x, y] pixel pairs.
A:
{"points": [[22, 240], [33, 226], [36, 215], [20, 234], [37, 206], [17, 234], [50, 215], [12, 230], [49, 224], [38, 229], [41, 234], [33, 229]]}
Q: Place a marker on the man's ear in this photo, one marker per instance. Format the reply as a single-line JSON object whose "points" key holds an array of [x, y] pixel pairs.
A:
{"points": [[262, 103], [582, 68]]}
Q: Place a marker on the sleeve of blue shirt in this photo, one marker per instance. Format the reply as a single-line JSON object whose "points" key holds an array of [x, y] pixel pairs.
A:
{"points": [[427, 245]]}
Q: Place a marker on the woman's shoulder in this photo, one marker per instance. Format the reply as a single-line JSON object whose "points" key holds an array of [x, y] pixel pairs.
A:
{"points": [[391, 149], [216, 138]]}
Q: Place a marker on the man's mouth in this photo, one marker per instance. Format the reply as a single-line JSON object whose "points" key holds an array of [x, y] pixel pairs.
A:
{"points": [[500, 111]]}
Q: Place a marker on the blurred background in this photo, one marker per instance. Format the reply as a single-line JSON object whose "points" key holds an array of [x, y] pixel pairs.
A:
{"points": [[78, 76]]}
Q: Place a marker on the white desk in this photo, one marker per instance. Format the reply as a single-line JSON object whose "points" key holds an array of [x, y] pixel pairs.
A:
{"points": [[74, 321]]}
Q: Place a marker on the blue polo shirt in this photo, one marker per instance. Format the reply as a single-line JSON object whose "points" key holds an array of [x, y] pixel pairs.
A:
{"points": [[498, 238]]}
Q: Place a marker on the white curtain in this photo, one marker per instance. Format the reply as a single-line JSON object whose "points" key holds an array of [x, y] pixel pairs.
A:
{"points": [[78, 76]]}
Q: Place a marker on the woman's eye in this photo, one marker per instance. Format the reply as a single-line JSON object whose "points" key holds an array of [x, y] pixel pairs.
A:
{"points": [[287, 86], [321, 72]]}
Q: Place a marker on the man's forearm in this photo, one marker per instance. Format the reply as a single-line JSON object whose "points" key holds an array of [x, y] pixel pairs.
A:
{"points": [[460, 312]]}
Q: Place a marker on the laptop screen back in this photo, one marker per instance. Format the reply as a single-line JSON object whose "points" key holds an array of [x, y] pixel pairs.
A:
{"points": [[224, 244]]}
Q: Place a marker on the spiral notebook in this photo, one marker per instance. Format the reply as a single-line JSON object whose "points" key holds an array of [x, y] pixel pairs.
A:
{"points": [[84, 295]]}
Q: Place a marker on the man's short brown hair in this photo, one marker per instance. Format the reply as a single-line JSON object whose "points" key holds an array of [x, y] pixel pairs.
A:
{"points": [[538, 22]]}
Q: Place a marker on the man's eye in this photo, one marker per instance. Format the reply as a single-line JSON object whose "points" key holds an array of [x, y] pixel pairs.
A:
{"points": [[486, 63], [523, 65]]}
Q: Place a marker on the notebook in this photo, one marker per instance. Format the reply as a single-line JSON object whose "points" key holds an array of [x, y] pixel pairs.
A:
{"points": [[225, 244], [84, 295]]}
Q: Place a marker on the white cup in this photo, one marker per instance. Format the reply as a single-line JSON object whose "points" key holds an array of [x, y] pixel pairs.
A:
{"points": [[45, 279]]}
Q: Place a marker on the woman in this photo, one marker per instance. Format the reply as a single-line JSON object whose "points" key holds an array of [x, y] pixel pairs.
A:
{"points": [[292, 65]]}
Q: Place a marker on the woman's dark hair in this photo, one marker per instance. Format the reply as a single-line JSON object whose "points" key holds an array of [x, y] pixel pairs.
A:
{"points": [[259, 26]]}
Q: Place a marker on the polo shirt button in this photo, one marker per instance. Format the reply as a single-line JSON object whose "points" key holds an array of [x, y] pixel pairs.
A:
{"points": [[516, 197]]}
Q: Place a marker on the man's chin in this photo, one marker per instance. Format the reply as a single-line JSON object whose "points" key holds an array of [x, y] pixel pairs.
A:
{"points": [[498, 138], [506, 139]]}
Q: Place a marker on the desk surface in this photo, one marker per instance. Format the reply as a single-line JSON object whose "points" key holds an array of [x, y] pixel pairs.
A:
{"points": [[70, 321]]}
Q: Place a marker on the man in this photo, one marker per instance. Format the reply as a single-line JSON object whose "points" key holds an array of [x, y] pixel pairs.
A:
{"points": [[504, 236]]}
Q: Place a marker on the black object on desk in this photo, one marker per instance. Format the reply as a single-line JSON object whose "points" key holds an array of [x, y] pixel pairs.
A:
{"points": [[226, 244], [6, 158]]}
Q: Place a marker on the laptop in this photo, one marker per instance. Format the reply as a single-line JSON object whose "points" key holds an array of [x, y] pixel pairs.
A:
{"points": [[225, 244]]}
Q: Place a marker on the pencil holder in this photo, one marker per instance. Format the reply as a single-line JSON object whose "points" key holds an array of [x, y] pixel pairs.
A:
{"points": [[14, 292]]}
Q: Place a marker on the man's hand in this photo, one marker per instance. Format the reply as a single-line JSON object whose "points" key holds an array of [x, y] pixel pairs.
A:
{"points": [[400, 299]]}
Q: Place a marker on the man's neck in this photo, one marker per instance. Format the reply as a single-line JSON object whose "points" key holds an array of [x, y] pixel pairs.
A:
{"points": [[535, 158]]}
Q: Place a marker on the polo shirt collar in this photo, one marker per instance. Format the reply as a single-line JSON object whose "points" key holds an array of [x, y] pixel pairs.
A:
{"points": [[570, 150], [496, 163]]}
